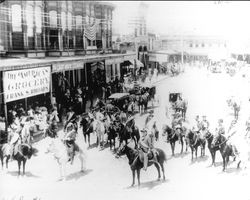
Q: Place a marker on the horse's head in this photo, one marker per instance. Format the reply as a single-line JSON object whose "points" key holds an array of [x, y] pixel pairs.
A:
{"points": [[217, 140], [28, 150]]}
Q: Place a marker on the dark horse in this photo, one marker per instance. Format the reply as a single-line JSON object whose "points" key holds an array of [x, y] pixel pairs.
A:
{"points": [[209, 137], [24, 152], [136, 164], [195, 142], [125, 134], [112, 134], [4, 154], [173, 137], [87, 129], [226, 150]]}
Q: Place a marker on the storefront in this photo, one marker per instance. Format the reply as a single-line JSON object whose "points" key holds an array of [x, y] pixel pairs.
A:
{"points": [[68, 74], [25, 87], [112, 67]]}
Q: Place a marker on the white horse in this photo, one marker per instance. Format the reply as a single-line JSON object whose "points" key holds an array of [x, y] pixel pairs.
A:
{"points": [[59, 150]]}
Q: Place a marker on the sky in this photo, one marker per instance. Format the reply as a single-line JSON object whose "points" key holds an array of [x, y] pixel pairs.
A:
{"points": [[229, 19]]}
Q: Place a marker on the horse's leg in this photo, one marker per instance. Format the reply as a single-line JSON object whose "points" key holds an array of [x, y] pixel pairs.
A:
{"points": [[24, 162], [82, 161], [162, 169], [89, 139], [19, 167], [172, 147], [196, 149], [224, 163], [2, 162], [181, 144], [138, 176], [159, 172], [133, 175]]}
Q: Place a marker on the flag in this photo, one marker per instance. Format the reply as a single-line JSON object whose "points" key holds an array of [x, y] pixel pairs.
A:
{"points": [[90, 31]]}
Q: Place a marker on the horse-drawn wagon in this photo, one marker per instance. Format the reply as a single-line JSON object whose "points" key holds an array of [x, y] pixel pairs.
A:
{"points": [[119, 99]]}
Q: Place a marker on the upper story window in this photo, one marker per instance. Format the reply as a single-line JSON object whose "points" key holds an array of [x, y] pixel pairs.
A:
{"points": [[53, 19], [191, 45], [202, 45], [16, 17], [196, 45], [30, 20], [70, 6], [79, 22], [64, 5], [69, 21], [63, 20], [38, 18]]}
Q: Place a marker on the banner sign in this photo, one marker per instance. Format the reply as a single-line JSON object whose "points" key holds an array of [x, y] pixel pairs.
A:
{"points": [[113, 61], [66, 66], [20, 84]]}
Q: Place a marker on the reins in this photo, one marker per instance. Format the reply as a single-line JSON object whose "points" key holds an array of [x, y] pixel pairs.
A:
{"points": [[225, 140]]}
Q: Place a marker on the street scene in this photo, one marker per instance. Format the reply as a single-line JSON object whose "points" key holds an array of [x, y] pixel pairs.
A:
{"points": [[99, 103]]}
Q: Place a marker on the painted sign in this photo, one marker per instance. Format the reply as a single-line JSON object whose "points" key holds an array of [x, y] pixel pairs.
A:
{"points": [[65, 66], [20, 84]]}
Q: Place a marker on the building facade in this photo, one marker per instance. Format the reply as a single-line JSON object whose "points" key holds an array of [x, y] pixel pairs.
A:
{"points": [[66, 44]]}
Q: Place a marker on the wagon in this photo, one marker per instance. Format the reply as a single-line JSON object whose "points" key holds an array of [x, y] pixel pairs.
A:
{"points": [[118, 99]]}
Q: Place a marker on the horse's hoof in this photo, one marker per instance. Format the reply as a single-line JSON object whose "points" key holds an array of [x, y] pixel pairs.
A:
{"points": [[158, 179], [132, 185]]}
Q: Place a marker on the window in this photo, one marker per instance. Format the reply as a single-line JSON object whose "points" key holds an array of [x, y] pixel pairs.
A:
{"points": [[79, 22], [191, 45], [38, 18], [196, 45], [53, 19], [69, 21], [64, 6], [16, 18], [203, 45], [63, 20], [30, 21]]}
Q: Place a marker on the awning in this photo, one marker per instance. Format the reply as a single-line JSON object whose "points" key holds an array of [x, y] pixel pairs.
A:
{"points": [[138, 63], [97, 65]]}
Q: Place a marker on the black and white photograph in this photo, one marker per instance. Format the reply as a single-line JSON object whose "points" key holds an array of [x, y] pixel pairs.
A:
{"points": [[118, 100]]}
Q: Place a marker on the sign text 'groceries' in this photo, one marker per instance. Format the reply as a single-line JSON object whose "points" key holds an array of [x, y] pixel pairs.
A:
{"points": [[20, 84]]}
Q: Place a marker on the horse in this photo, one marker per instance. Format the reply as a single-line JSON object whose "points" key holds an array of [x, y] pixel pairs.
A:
{"points": [[99, 128], [173, 137], [195, 142], [4, 153], [112, 134], [87, 129], [136, 164], [226, 150], [59, 150], [209, 137], [23, 153]]}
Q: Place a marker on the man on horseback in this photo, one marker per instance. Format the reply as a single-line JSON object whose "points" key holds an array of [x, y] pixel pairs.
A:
{"points": [[247, 127], [14, 139], [204, 126], [69, 138], [220, 129], [146, 145]]}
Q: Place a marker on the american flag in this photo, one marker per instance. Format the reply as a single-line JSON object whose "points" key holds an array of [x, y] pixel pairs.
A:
{"points": [[90, 30]]}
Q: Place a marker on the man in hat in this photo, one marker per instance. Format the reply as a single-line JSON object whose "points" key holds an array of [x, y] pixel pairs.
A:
{"points": [[71, 117], [146, 144], [247, 127], [14, 138], [70, 137], [204, 126], [220, 129]]}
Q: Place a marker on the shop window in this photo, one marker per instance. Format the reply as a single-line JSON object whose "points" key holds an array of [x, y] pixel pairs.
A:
{"points": [[16, 17]]}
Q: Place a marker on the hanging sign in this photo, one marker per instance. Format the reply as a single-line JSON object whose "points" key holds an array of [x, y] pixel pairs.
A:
{"points": [[20, 84]]}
